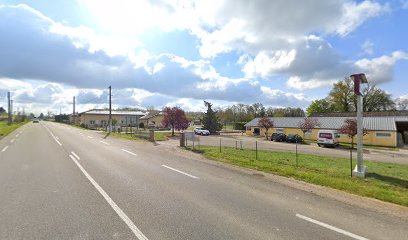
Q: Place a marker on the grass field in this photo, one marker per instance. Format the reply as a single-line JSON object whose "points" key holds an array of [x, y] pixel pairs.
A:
{"points": [[6, 129], [384, 181]]}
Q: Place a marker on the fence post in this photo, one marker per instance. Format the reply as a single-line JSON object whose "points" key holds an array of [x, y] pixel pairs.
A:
{"points": [[256, 149], [220, 144], [296, 153], [236, 144], [241, 144]]}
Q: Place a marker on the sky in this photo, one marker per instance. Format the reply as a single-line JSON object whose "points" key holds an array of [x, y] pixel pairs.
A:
{"points": [[281, 53]]}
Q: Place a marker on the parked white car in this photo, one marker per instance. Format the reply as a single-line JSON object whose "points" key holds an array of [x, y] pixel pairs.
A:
{"points": [[328, 138], [201, 131]]}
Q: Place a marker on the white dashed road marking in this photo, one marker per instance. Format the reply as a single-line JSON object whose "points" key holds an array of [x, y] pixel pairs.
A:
{"points": [[176, 170], [325, 225], [134, 154], [5, 148], [104, 142]]}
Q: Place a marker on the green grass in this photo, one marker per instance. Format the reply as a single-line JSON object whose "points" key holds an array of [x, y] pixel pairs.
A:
{"points": [[6, 129], [158, 136], [384, 181]]}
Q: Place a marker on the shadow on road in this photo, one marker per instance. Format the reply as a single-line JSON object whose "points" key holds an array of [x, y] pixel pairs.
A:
{"points": [[395, 181], [107, 135]]}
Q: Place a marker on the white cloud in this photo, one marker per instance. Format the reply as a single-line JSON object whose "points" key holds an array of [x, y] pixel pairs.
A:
{"points": [[368, 47], [265, 65], [354, 14], [404, 4], [296, 82], [380, 69]]}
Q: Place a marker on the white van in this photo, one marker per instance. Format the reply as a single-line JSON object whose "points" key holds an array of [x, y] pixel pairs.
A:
{"points": [[328, 138]]}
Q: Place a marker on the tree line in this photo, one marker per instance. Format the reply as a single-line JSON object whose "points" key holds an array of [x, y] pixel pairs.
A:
{"points": [[341, 98]]}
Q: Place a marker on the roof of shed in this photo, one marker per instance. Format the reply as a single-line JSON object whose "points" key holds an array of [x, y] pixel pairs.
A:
{"points": [[369, 123]]}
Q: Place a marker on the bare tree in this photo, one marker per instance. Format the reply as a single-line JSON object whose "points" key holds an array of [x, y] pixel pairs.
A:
{"points": [[350, 129], [308, 124]]}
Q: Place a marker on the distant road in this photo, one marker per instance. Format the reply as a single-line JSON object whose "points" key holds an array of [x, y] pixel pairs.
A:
{"points": [[60, 182]]}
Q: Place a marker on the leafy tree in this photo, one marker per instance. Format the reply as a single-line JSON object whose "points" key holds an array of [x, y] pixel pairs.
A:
{"points": [[308, 124], [210, 119], [114, 121], [41, 116], [2, 110], [266, 123], [141, 125], [341, 96], [342, 99], [375, 99], [320, 106], [175, 118]]}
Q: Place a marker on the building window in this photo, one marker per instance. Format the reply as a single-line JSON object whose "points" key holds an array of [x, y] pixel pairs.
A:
{"points": [[91, 121], [279, 130], [382, 135]]}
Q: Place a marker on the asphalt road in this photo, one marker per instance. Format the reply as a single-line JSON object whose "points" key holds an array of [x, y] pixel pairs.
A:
{"points": [[59, 182], [400, 157]]}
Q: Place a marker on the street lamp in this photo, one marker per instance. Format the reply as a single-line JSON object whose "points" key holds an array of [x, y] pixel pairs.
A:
{"points": [[359, 79]]}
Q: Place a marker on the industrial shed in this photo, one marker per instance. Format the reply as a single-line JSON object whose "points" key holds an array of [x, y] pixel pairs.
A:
{"points": [[389, 131]]}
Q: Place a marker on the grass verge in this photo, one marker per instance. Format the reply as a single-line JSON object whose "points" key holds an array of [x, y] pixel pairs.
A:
{"points": [[6, 129], [384, 181]]}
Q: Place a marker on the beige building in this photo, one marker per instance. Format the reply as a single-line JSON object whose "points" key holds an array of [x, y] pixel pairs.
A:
{"points": [[389, 131], [100, 118], [153, 120]]}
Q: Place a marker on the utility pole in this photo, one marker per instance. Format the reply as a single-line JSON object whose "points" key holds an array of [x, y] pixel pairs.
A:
{"points": [[9, 108], [110, 109], [73, 111]]}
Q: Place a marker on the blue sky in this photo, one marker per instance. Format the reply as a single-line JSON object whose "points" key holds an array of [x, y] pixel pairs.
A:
{"points": [[177, 53]]}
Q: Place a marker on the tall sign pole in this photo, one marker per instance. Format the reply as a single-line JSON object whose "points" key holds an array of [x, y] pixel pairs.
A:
{"points": [[358, 79]]}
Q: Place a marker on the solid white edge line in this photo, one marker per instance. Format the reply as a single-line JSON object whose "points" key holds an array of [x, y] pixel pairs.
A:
{"points": [[75, 155], [114, 206], [134, 154], [5, 148], [176, 170], [344, 232], [104, 142]]}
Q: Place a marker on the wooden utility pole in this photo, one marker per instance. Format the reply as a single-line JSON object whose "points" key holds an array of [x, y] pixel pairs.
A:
{"points": [[110, 108], [9, 108], [73, 111]]}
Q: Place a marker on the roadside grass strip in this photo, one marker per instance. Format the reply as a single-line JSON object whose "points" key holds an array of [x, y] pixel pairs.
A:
{"points": [[384, 181], [7, 129]]}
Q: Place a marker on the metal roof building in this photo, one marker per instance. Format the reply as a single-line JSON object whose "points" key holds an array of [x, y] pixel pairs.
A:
{"points": [[369, 123]]}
